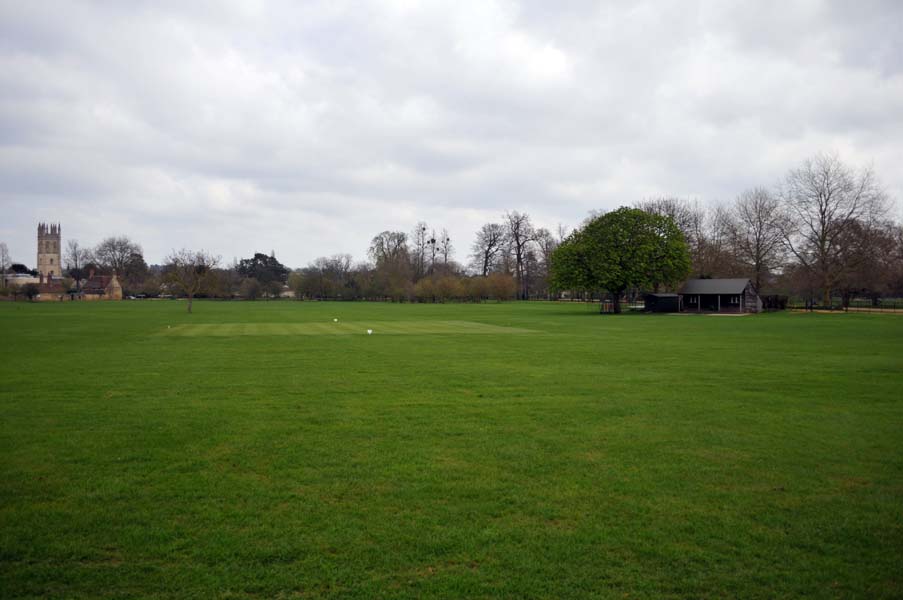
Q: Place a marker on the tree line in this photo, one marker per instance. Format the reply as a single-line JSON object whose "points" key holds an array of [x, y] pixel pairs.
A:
{"points": [[822, 231]]}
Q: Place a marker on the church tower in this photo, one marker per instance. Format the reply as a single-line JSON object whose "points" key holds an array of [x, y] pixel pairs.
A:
{"points": [[49, 250]]}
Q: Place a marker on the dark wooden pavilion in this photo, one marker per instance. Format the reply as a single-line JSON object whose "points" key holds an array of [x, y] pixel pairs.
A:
{"points": [[720, 296]]}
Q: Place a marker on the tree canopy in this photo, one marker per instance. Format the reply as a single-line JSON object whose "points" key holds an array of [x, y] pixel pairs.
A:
{"points": [[263, 268], [115, 252], [623, 249], [830, 208], [189, 271]]}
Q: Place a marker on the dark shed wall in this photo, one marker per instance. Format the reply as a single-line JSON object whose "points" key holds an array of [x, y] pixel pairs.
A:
{"points": [[654, 303]]}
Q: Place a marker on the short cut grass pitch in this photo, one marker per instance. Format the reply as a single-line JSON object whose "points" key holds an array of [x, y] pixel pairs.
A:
{"points": [[341, 328]]}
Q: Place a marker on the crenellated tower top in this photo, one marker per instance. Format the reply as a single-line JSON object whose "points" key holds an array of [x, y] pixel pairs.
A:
{"points": [[49, 229]]}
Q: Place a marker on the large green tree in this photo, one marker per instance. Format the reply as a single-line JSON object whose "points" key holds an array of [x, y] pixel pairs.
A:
{"points": [[265, 269], [620, 250]]}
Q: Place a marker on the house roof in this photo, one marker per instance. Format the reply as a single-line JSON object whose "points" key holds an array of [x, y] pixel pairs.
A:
{"points": [[714, 286], [98, 282], [97, 285]]}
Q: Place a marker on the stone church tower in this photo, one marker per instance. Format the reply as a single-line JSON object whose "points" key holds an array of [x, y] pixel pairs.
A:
{"points": [[49, 250]]}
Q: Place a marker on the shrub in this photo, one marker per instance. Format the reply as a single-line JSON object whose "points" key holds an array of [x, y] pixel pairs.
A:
{"points": [[501, 286], [250, 289], [448, 288], [31, 291], [425, 290], [774, 302]]}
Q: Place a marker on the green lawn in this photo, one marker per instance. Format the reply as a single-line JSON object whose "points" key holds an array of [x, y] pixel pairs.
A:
{"points": [[498, 450]]}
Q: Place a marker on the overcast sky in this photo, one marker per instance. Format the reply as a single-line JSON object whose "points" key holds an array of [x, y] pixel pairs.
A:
{"points": [[308, 127]]}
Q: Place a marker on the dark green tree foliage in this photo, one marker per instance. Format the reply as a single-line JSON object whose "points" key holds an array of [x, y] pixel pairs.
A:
{"points": [[134, 272], [624, 249], [265, 269], [21, 269]]}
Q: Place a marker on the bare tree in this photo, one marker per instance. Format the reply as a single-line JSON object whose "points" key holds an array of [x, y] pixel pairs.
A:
{"points": [[824, 200], [419, 238], [5, 262], [690, 219], [546, 242], [389, 246], [870, 260], [116, 252], [491, 239], [754, 230], [706, 232], [250, 289], [686, 214], [445, 246], [190, 271], [393, 273], [76, 255], [716, 257], [895, 270], [328, 277], [76, 258], [520, 236], [433, 244]]}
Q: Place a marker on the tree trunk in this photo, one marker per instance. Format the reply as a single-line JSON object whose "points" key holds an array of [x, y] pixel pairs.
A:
{"points": [[616, 302], [190, 298]]}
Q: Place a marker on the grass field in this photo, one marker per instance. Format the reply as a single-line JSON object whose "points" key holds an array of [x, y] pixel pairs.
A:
{"points": [[499, 450]]}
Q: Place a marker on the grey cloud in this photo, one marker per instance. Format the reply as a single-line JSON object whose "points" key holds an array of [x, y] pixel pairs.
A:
{"points": [[308, 127]]}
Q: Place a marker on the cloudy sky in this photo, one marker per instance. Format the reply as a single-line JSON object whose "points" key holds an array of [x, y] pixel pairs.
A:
{"points": [[308, 127]]}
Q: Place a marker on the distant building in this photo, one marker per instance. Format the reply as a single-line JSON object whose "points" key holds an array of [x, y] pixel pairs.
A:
{"points": [[51, 288], [101, 287], [720, 295], [50, 280], [50, 260], [20, 279]]}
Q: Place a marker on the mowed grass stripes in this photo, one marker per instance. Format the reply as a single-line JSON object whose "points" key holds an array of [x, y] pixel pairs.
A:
{"points": [[340, 328], [146, 454]]}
